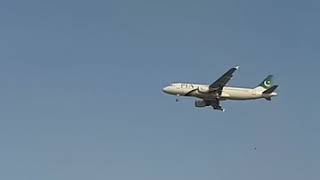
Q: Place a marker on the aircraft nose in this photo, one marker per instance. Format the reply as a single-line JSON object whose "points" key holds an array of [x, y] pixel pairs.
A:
{"points": [[274, 94], [166, 89]]}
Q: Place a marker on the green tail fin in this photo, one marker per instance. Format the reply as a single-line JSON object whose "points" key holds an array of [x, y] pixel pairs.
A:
{"points": [[267, 82]]}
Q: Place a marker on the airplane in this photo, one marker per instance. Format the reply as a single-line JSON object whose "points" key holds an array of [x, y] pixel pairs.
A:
{"points": [[213, 94]]}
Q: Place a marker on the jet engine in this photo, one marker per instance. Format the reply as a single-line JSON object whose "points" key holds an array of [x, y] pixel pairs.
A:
{"points": [[200, 103], [204, 89]]}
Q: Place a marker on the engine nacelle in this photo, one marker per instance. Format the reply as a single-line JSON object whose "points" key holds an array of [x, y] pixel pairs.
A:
{"points": [[200, 103], [204, 89]]}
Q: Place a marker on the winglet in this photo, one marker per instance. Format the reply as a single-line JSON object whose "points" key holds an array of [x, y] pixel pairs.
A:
{"points": [[237, 67]]}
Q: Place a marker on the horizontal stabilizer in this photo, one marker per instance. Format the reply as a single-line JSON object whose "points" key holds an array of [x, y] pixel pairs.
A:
{"points": [[270, 90]]}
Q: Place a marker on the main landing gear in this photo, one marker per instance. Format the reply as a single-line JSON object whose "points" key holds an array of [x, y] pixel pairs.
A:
{"points": [[219, 108]]}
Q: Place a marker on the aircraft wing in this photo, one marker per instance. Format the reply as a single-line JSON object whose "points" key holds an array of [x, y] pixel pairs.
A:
{"points": [[223, 80]]}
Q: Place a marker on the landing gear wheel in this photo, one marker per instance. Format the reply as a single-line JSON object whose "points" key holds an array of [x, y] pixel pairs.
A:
{"points": [[219, 108]]}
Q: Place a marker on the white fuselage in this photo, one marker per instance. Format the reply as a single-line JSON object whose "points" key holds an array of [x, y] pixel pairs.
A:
{"points": [[228, 93]]}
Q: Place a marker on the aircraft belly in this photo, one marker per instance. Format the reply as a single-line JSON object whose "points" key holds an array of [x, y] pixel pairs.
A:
{"points": [[225, 95], [235, 95]]}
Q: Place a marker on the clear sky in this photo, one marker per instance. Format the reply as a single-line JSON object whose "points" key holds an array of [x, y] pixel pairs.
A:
{"points": [[81, 89]]}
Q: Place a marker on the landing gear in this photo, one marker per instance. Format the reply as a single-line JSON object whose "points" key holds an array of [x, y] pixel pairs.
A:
{"points": [[177, 100], [219, 108]]}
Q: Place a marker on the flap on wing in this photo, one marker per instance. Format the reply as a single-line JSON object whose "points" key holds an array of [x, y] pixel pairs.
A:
{"points": [[224, 79]]}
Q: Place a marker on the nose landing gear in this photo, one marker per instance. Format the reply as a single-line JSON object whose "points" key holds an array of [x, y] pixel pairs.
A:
{"points": [[177, 100]]}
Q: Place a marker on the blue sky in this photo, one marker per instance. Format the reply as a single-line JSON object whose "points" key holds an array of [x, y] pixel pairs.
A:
{"points": [[81, 90]]}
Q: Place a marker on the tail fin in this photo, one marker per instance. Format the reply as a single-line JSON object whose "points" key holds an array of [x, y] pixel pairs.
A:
{"points": [[266, 83]]}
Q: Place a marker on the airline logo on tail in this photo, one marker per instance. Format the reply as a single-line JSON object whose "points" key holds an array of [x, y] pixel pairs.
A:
{"points": [[267, 82]]}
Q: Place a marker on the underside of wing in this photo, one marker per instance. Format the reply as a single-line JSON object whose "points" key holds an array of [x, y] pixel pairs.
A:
{"points": [[215, 103]]}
